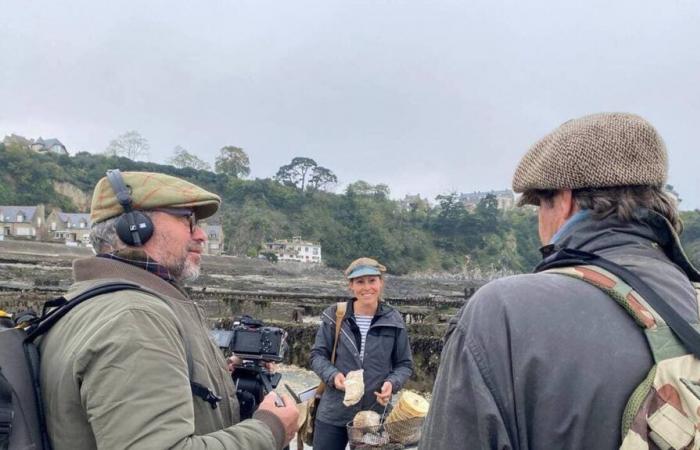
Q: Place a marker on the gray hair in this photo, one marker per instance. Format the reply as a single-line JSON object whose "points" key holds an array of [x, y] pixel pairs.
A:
{"points": [[103, 236], [619, 201]]}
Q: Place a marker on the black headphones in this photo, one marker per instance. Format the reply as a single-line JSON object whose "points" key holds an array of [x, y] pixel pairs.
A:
{"points": [[133, 227]]}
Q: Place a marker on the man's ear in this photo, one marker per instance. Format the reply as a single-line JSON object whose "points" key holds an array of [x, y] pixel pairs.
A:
{"points": [[567, 203]]}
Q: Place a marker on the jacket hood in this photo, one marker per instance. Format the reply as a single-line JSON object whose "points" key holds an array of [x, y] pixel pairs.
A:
{"points": [[647, 230]]}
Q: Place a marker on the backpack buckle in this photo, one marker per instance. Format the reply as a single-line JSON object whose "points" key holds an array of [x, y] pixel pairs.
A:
{"points": [[205, 394], [212, 399]]}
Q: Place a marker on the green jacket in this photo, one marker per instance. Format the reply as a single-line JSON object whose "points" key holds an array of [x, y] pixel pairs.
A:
{"points": [[114, 372]]}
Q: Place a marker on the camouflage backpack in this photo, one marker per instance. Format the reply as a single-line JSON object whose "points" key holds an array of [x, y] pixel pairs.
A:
{"points": [[663, 412]]}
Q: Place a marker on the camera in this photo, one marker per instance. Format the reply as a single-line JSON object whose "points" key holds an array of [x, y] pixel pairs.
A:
{"points": [[251, 339], [255, 344]]}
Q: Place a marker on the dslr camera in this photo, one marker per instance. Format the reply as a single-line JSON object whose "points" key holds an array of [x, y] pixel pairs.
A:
{"points": [[255, 344], [252, 340]]}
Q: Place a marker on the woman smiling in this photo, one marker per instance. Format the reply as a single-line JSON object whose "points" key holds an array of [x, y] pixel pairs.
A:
{"points": [[373, 338]]}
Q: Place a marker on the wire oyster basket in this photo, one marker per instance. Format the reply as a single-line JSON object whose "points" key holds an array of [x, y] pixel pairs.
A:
{"points": [[401, 428], [386, 436]]}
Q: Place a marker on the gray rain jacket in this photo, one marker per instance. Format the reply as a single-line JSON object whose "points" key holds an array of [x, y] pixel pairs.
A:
{"points": [[387, 358], [545, 361]]}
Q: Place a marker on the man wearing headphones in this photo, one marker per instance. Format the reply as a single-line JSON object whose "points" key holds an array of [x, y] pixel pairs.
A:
{"points": [[136, 368]]}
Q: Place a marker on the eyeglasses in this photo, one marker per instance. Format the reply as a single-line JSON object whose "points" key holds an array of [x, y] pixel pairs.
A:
{"points": [[181, 212]]}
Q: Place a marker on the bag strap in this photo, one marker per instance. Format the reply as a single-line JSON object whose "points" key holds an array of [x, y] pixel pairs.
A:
{"points": [[341, 307], [339, 314], [684, 331]]}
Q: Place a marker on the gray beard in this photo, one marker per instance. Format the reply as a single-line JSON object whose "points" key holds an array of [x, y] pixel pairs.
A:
{"points": [[185, 272]]}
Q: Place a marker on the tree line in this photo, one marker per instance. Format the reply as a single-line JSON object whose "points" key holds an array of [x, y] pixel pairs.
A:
{"points": [[361, 221]]}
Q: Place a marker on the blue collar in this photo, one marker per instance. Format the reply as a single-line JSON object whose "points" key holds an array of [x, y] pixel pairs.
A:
{"points": [[569, 224]]}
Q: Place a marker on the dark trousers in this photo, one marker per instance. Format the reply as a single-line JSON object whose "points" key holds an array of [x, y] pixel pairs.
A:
{"points": [[329, 437]]}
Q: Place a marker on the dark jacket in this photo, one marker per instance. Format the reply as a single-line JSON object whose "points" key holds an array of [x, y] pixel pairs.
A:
{"points": [[545, 361], [387, 358], [114, 373]]}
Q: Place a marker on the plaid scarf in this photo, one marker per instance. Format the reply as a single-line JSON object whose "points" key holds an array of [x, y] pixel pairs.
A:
{"points": [[139, 258]]}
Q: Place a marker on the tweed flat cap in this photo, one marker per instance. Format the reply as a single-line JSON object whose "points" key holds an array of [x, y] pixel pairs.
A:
{"points": [[600, 150], [149, 191]]}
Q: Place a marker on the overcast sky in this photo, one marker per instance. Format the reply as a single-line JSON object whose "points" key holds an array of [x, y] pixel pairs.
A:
{"points": [[426, 96]]}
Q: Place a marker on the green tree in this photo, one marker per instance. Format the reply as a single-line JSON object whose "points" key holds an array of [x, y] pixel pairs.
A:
{"points": [[233, 161], [15, 141], [129, 145], [296, 173], [304, 173], [362, 187], [690, 238], [321, 178], [182, 158]]}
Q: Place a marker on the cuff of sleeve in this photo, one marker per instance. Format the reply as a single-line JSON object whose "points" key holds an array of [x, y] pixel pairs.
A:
{"points": [[274, 423], [394, 385], [331, 380]]}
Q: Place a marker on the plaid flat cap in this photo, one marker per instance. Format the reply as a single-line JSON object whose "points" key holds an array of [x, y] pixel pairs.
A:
{"points": [[149, 191]]}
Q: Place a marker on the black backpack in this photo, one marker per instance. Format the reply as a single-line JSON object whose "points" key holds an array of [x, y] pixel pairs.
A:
{"points": [[22, 421]]}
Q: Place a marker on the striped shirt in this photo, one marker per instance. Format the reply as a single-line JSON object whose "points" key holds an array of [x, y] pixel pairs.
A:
{"points": [[363, 323]]}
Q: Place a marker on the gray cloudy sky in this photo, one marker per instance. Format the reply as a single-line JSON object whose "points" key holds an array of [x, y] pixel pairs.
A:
{"points": [[425, 96]]}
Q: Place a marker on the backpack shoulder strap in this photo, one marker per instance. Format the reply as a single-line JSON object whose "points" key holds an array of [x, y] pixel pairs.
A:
{"points": [[640, 300], [616, 289], [63, 307]]}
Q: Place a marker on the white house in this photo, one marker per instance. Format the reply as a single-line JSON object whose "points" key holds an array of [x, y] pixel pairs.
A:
{"points": [[294, 250]]}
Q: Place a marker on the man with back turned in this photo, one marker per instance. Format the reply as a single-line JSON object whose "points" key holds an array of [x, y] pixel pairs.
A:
{"points": [[547, 361]]}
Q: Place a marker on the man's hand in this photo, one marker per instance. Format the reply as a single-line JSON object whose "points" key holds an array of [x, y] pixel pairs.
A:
{"points": [[384, 396], [288, 414], [232, 362], [339, 381]]}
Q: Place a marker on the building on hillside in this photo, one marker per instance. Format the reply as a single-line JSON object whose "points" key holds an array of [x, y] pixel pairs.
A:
{"points": [[294, 250], [71, 228], [215, 238], [23, 222], [49, 146], [505, 199]]}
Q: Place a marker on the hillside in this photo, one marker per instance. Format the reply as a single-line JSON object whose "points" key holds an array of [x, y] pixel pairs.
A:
{"points": [[363, 221]]}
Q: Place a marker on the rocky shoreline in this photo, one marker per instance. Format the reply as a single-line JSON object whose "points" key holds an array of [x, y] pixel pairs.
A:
{"points": [[287, 295]]}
